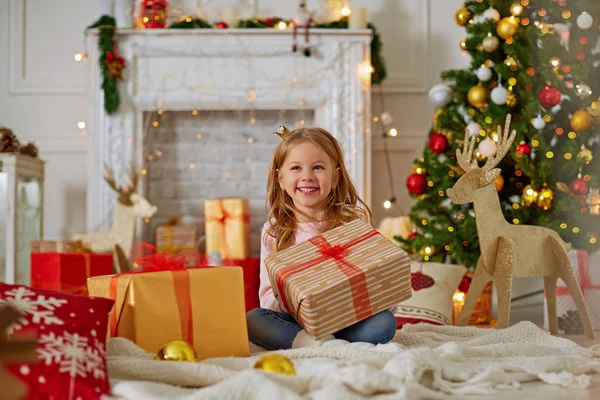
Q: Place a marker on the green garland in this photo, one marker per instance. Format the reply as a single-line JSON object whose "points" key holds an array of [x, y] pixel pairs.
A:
{"points": [[106, 27]]}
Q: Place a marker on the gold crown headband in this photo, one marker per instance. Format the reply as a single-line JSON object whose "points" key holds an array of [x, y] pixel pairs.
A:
{"points": [[284, 132]]}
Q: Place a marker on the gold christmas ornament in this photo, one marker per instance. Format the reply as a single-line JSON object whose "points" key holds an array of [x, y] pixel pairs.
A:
{"points": [[544, 198], [477, 96], [478, 156], [516, 9], [463, 16], [512, 98], [275, 363], [529, 196], [418, 169], [581, 121], [463, 43], [586, 155], [176, 350], [499, 183], [507, 27], [511, 63], [490, 43]]}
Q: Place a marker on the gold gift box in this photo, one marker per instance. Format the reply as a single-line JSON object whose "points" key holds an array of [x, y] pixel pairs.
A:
{"points": [[153, 308], [175, 239], [56, 246], [339, 278], [227, 228]]}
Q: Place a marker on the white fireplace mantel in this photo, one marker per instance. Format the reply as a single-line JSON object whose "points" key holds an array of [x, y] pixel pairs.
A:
{"points": [[211, 69]]}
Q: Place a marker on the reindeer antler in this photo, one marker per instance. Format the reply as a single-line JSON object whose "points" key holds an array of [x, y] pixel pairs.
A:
{"points": [[465, 157], [124, 193], [503, 144]]}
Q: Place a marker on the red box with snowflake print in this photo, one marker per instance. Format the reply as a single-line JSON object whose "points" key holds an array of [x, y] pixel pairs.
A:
{"points": [[68, 272], [71, 333]]}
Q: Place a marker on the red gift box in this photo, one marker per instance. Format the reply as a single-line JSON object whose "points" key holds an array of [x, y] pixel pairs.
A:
{"points": [[251, 268], [68, 272]]}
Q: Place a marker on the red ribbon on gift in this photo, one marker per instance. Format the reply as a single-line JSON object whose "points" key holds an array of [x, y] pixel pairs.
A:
{"points": [[585, 280], [178, 265], [222, 219], [339, 253]]}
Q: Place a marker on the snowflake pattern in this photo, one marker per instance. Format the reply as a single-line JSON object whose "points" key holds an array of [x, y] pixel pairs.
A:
{"points": [[73, 354], [40, 307]]}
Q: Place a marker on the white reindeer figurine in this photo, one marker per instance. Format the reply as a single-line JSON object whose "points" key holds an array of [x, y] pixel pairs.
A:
{"points": [[129, 207], [510, 251]]}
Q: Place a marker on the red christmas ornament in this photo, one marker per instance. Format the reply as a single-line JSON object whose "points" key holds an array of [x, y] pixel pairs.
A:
{"points": [[419, 280], [416, 183], [413, 235], [222, 25], [579, 186], [465, 284], [269, 21], [549, 96], [438, 143], [524, 148]]}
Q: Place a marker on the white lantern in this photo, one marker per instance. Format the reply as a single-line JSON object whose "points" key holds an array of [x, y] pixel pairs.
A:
{"points": [[21, 214]]}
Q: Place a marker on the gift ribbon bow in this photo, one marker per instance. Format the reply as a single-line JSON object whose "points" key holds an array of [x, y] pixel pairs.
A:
{"points": [[222, 219], [155, 262], [585, 280], [339, 253]]}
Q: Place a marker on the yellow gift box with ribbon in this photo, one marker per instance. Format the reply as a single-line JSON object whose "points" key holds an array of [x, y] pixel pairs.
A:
{"points": [[153, 308], [227, 223]]}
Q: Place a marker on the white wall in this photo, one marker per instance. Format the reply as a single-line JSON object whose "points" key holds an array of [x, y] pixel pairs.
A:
{"points": [[42, 89]]}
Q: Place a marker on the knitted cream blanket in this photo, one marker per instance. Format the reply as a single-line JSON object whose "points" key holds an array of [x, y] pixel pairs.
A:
{"points": [[422, 361]]}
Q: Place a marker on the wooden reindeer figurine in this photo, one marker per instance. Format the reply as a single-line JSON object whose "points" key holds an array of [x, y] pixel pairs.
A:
{"points": [[129, 207], [510, 251]]}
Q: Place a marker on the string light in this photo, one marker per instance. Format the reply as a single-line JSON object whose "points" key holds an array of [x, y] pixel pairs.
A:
{"points": [[281, 25], [345, 11], [79, 56], [81, 125], [393, 132]]}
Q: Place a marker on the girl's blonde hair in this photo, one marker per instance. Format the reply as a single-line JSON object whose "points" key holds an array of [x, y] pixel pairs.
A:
{"points": [[343, 203]]}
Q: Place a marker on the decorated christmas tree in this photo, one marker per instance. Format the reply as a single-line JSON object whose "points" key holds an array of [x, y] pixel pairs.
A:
{"points": [[538, 60]]}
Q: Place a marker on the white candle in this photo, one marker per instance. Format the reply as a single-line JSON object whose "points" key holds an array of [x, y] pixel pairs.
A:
{"points": [[358, 18]]}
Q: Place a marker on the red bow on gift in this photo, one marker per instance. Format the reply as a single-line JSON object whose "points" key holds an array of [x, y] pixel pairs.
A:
{"points": [[145, 257]]}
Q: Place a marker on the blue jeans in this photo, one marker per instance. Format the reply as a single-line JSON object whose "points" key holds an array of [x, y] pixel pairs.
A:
{"points": [[274, 330]]}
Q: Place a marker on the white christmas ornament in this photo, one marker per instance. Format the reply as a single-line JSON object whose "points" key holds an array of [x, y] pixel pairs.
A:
{"points": [[386, 118], [564, 32], [483, 73], [538, 123], [473, 128], [585, 20], [491, 13], [499, 95], [440, 95], [487, 147]]}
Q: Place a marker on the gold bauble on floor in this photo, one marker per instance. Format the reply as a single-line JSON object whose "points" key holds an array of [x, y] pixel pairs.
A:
{"points": [[275, 363]]}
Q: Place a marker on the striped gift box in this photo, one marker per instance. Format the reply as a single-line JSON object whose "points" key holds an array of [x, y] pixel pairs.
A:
{"points": [[175, 239], [339, 278]]}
